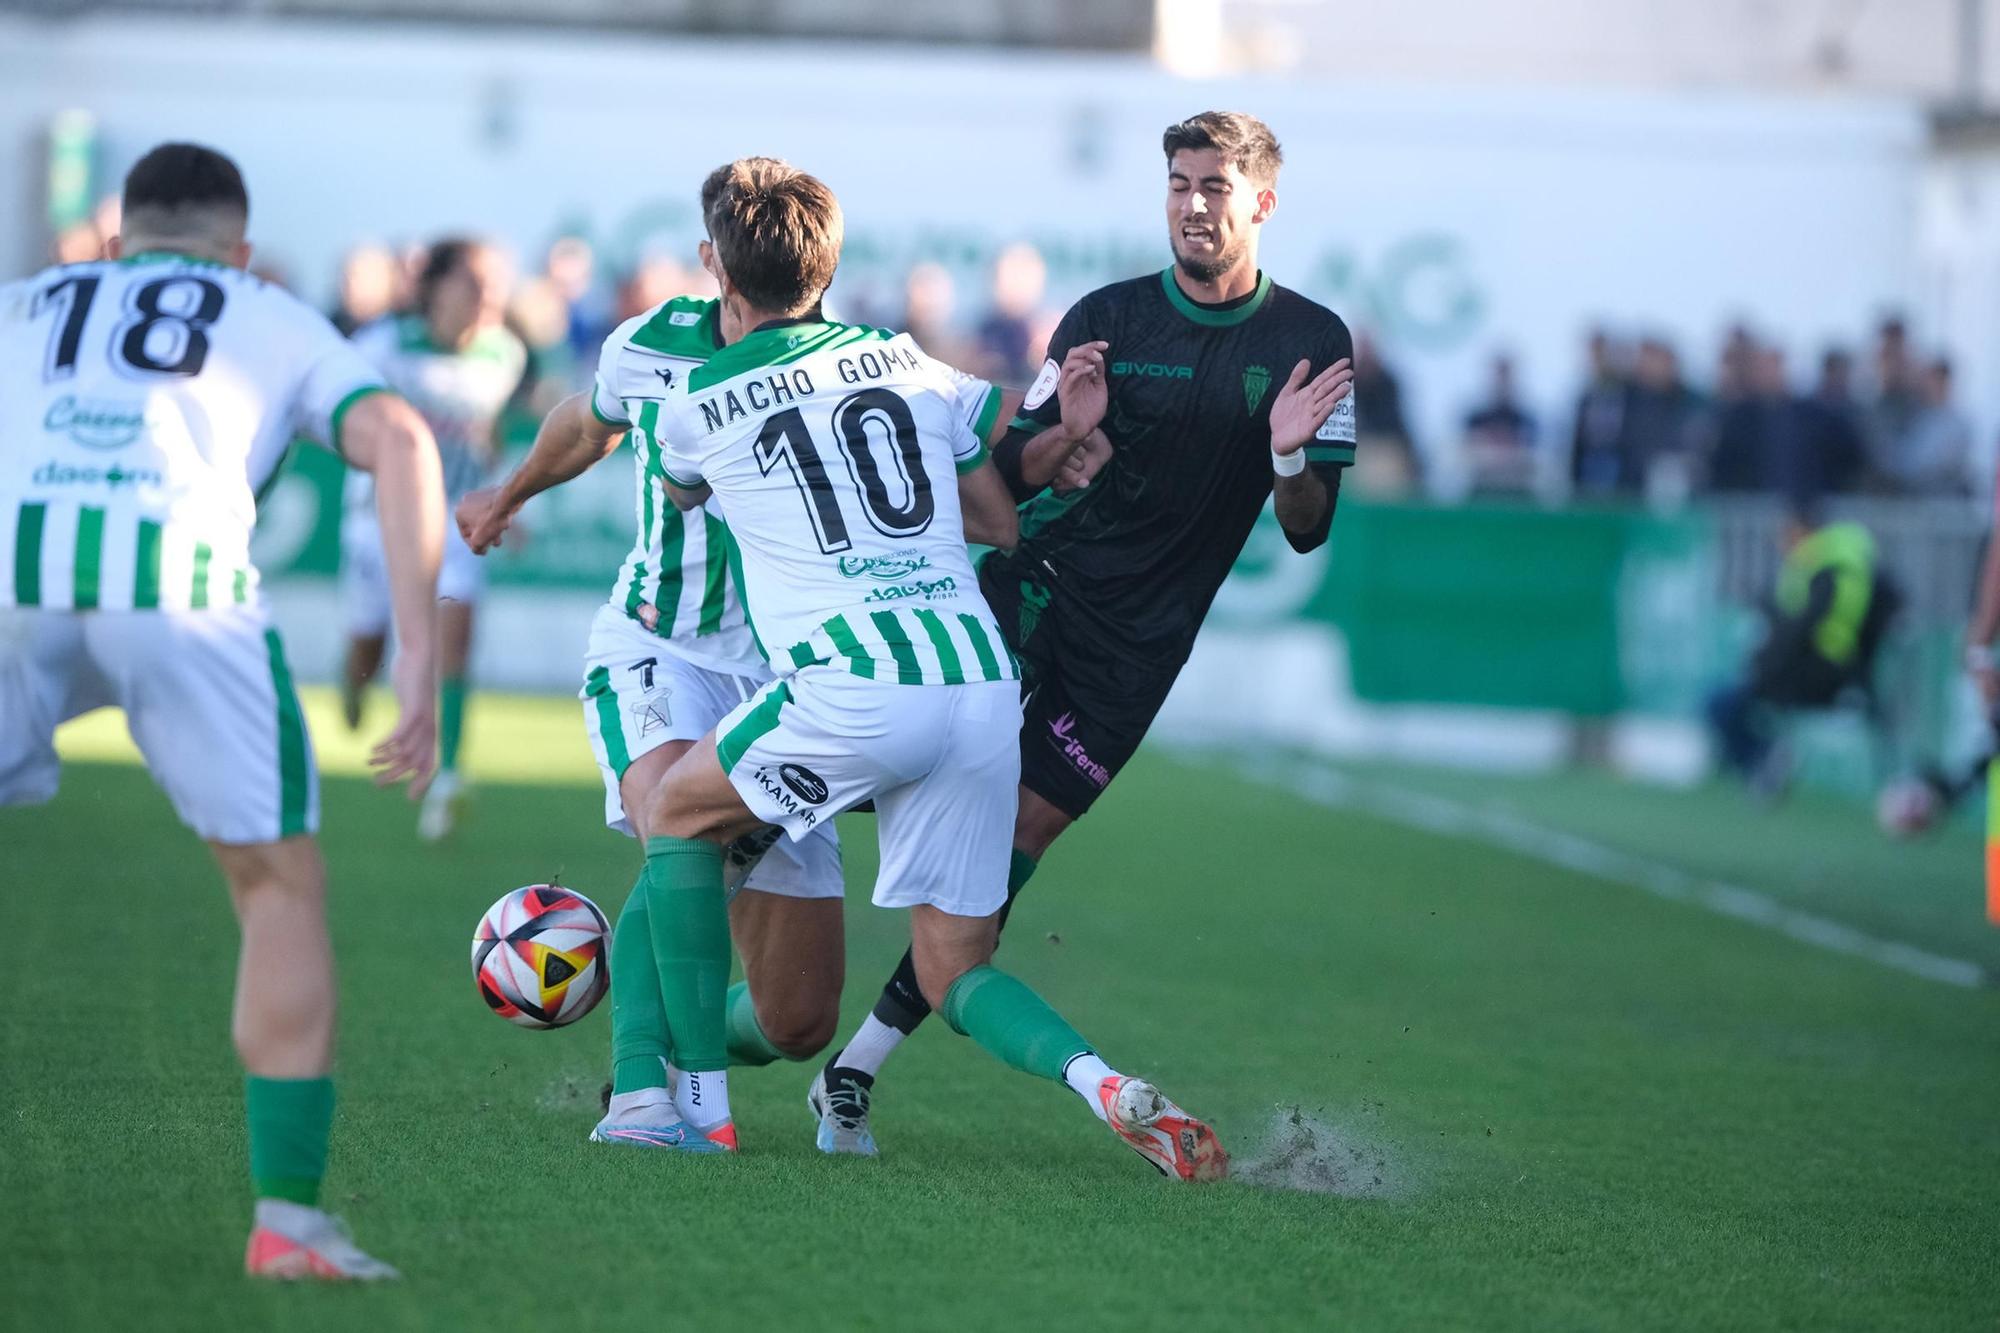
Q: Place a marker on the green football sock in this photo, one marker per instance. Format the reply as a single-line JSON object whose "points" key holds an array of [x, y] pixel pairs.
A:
{"points": [[747, 1043], [638, 1019], [1020, 869], [1012, 1022], [689, 923], [451, 721], [291, 1121]]}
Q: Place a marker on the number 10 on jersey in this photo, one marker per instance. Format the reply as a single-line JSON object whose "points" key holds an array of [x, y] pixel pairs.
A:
{"points": [[863, 424]]}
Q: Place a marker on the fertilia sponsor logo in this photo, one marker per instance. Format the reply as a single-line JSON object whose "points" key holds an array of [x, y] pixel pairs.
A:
{"points": [[926, 588], [53, 473], [1061, 731], [95, 423]]}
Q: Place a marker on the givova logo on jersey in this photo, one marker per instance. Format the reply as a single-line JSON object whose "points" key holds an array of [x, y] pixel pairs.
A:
{"points": [[95, 423]]}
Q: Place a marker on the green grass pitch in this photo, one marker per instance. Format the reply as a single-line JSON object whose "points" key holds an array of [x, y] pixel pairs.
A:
{"points": [[1544, 1100]]}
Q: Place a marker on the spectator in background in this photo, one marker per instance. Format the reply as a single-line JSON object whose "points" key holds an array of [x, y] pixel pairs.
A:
{"points": [[1934, 459], [654, 279], [370, 287], [571, 267], [928, 297], [1777, 443], [1896, 403], [1386, 461], [1666, 425], [1595, 462], [1733, 369], [1500, 438], [1004, 341], [1834, 390], [539, 317]]}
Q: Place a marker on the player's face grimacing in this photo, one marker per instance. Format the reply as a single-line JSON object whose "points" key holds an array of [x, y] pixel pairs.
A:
{"points": [[1213, 211]]}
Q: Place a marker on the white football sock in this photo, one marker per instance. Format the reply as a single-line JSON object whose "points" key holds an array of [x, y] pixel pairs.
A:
{"points": [[703, 1097], [869, 1047], [647, 1106], [1084, 1073]]}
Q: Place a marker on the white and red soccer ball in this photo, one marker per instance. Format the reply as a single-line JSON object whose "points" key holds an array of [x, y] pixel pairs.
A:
{"points": [[542, 956]]}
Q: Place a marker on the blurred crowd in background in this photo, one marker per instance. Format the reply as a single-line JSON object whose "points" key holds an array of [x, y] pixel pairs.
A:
{"points": [[1877, 417], [1879, 421]]}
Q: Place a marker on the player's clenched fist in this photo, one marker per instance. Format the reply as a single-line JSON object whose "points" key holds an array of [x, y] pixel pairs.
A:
{"points": [[1303, 406], [483, 518]]}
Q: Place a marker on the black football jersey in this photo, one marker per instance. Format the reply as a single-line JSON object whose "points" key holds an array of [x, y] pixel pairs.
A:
{"points": [[1143, 549]]}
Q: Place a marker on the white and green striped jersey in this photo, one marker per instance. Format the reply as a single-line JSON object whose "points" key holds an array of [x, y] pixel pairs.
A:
{"points": [[144, 405], [676, 582], [459, 392], [834, 451]]}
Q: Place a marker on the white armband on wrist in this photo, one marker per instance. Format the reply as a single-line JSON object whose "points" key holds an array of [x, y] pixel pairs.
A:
{"points": [[1288, 465]]}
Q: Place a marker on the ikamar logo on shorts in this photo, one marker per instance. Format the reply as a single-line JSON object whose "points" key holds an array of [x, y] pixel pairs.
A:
{"points": [[803, 784], [94, 423]]}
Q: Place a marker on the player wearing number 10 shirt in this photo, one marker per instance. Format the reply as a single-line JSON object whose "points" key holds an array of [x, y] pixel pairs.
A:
{"points": [[851, 480]]}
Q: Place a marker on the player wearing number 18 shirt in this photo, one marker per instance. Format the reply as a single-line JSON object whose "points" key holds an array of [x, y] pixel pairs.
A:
{"points": [[145, 402], [1220, 391], [851, 481]]}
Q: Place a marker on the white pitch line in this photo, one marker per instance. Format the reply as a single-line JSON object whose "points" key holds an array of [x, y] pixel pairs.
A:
{"points": [[1436, 814]]}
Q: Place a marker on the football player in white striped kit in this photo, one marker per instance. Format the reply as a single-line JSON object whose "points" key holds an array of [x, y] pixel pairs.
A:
{"points": [[145, 402], [454, 359], [669, 656], [852, 482]]}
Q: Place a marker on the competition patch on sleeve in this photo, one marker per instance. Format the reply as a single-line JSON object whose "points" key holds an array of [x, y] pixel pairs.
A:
{"points": [[1339, 427], [1044, 385], [685, 319]]}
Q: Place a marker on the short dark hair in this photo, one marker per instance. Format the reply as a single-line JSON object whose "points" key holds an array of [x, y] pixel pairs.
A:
{"points": [[776, 230], [175, 179], [1243, 140]]}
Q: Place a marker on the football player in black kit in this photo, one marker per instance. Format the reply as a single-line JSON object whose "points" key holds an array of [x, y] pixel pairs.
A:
{"points": [[1218, 390]]}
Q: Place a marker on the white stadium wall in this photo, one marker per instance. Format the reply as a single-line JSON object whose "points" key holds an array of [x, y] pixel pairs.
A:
{"points": [[1452, 220]]}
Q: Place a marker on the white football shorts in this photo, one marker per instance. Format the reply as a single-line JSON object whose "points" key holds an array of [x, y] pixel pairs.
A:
{"points": [[941, 762], [207, 696], [638, 695]]}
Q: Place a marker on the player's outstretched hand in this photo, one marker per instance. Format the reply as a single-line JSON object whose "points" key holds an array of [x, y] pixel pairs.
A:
{"points": [[483, 519], [1082, 388], [1083, 464], [410, 751], [1303, 406]]}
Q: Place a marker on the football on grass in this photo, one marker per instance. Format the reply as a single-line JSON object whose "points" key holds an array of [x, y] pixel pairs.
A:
{"points": [[541, 956]]}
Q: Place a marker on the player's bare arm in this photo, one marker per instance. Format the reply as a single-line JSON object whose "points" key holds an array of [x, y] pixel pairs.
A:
{"points": [[571, 441], [990, 516], [1299, 493], [385, 436]]}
